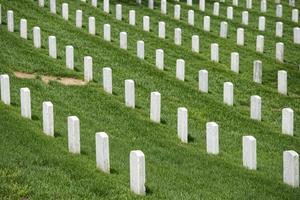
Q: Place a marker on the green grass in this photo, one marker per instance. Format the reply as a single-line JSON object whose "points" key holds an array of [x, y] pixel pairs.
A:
{"points": [[35, 166]]}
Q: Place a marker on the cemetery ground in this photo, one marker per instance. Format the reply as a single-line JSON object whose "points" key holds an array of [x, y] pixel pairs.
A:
{"points": [[36, 166]]}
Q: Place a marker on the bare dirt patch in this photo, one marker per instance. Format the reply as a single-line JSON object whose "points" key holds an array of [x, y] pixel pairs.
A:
{"points": [[47, 79]]}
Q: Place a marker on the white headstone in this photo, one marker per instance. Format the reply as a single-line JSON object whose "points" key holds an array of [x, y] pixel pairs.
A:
{"points": [[37, 37], [10, 21], [48, 118], [92, 26], [235, 2], [177, 12], [23, 28], [139, 2], [249, 4], [180, 69], [146, 23], [240, 38], [94, 3], [202, 5], [261, 23], [25, 103], [203, 81], [263, 6], [279, 29], [159, 59], [195, 43], [260, 43], [255, 107], [182, 124], [53, 6], [291, 168], [279, 11], [257, 71], [280, 52], [212, 138], [245, 17], [282, 82], [140, 49], [292, 3], [177, 36], [129, 93], [151, 4], [223, 29], [132, 17], [65, 11], [189, 2], [230, 12], [41, 3], [162, 30], [214, 52], [73, 135], [216, 9], [70, 57], [249, 152], [106, 6], [102, 152], [163, 7], [137, 172], [296, 35], [191, 17], [228, 93], [206, 23], [88, 68], [288, 121], [79, 18], [106, 32], [235, 62], [119, 12], [295, 15], [5, 89], [107, 80], [52, 47], [123, 40], [155, 107]]}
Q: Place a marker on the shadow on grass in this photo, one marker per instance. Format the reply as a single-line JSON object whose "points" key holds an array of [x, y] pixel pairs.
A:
{"points": [[35, 118]]}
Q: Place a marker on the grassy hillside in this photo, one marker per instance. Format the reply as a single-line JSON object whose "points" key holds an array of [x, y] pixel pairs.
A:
{"points": [[34, 166]]}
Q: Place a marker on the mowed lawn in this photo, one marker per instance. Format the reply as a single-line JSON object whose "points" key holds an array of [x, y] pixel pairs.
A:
{"points": [[34, 166]]}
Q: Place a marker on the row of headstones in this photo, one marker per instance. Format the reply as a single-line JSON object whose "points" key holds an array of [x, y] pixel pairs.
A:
{"points": [[177, 37], [137, 160], [180, 63], [245, 21], [295, 15], [240, 31], [195, 39], [163, 5], [177, 33], [229, 13], [206, 24]]}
